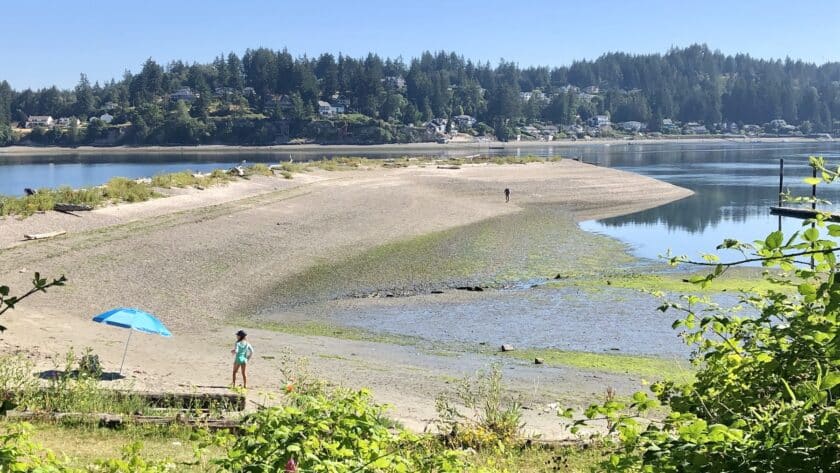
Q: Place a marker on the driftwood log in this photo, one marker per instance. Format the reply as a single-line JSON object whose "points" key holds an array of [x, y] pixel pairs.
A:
{"points": [[42, 236], [72, 207]]}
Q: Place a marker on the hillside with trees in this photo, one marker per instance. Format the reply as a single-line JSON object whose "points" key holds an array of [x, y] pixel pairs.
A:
{"points": [[270, 97]]}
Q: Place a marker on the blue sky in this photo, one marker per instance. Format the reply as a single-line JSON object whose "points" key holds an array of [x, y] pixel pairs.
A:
{"points": [[53, 42]]}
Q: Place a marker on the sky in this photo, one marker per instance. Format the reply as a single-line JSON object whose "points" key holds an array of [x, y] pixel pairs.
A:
{"points": [[51, 42]]}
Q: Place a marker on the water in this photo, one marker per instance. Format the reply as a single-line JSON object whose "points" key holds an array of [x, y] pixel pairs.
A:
{"points": [[18, 172], [734, 187]]}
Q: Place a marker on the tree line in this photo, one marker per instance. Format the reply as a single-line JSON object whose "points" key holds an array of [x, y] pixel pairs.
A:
{"points": [[237, 98]]}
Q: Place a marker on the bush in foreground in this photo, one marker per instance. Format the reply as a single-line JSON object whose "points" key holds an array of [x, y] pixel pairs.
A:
{"points": [[766, 395]]}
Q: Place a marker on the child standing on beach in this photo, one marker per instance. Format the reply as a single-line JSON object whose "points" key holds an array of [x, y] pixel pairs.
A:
{"points": [[242, 352]]}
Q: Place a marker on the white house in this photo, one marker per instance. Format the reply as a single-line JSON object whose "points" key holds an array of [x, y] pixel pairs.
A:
{"points": [[66, 122], [106, 117], [39, 120], [325, 109], [599, 121]]}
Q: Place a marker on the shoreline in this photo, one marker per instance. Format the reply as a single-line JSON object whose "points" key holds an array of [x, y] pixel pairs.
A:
{"points": [[389, 147]]}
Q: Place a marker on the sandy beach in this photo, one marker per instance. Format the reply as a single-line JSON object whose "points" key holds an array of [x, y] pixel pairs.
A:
{"points": [[204, 261]]}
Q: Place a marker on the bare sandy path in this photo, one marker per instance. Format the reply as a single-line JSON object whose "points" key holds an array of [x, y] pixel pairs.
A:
{"points": [[193, 260]]}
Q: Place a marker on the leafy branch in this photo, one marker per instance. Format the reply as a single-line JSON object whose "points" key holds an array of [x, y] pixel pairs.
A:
{"points": [[39, 284]]}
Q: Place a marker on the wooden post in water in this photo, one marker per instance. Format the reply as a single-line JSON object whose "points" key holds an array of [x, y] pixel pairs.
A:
{"points": [[781, 183]]}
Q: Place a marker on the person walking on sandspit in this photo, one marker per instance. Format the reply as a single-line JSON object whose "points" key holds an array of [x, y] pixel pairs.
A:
{"points": [[507, 195], [242, 351]]}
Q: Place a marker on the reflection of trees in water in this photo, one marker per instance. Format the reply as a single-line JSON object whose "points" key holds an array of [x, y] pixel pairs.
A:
{"points": [[709, 206]]}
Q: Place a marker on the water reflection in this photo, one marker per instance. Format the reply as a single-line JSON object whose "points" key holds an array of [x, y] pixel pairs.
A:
{"points": [[734, 188]]}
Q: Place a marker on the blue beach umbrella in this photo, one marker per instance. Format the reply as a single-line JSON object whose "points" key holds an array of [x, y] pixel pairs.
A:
{"points": [[132, 319]]}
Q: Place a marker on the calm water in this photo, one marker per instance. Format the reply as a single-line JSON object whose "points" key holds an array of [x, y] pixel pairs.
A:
{"points": [[81, 170], [734, 187]]}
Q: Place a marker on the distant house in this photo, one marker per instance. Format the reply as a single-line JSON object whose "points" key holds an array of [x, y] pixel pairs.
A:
{"points": [[600, 121], [248, 91], [108, 106], [327, 110], [694, 128], [670, 127], [569, 88], [631, 126], [463, 121], [592, 89], [224, 91], [39, 120], [585, 97], [394, 82], [184, 93], [751, 129], [436, 127], [106, 117], [66, 122]]}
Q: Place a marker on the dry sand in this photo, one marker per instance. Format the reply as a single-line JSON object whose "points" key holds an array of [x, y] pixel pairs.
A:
{"points": [[195, 259]]}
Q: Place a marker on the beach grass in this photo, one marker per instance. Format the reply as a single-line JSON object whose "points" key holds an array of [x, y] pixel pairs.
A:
{"points": [[118, 190], [663, 281]]}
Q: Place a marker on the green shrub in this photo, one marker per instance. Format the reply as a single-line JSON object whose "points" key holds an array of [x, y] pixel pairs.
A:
{"points": [[494, 421], [120, 189], [341, 432], [765, 396]]}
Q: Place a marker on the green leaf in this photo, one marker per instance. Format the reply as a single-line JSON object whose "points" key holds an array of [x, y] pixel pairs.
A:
{"points": [[812, 181], [773, 240], [811, 234], [830, 380]]}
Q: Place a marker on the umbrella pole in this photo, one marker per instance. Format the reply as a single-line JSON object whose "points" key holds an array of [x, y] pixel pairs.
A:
{"points": [[126, 349]]}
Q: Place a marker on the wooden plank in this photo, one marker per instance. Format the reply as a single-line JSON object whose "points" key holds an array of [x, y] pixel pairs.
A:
{"points": [[42, 236], [803, 213], [114, 421]]}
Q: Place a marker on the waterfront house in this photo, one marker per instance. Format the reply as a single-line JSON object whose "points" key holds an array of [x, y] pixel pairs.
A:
{"points": [[592, 89], [600, 121], [463, 121], [39, 120], [65, 122], [694, 128], [106, 117], [327, 110]]}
